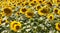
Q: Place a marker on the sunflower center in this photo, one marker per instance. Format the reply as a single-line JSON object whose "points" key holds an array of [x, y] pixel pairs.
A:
{"points": [[44, 11], [58, 0], [32, 4], [40, 1], [49, 3], [59, 25], [17, 27], [38, 7], [50, 17], [56, 11], [30, 14], [27, 3], [24, 10], [7, 10], [30, 0]]}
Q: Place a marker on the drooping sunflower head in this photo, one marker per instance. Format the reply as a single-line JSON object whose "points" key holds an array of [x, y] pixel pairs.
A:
{"points": [[57, 26], [23, 10], [29, 14], [55, 10], [43, 11], [15, 26], [7, 11], [50, 16]]}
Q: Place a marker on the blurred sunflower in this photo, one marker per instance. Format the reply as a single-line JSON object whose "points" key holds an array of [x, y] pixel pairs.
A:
{"points": [[49, 4], [38, 7], [43, 11], [15, 26], [7, 11], [32, 4], [23, 10], [41, 1], [58, 12], [55, 10], [50, 16], [26, 3], [57, 26], [29, 14]]}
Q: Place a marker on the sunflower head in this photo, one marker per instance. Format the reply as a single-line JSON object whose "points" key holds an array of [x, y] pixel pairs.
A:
{"points": [[32, 4], [7, 11], [43, 11], [49, 4], [38, 7], [23, 10], [55, 10], [50, 16], [57, 26], [29, 14], [26, 3], [15, 26]]}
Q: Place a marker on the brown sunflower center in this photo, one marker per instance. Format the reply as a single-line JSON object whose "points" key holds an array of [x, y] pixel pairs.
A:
{"points": [[24, 10], [49, 3], [59, 25], [40, 1], [38, 7], [27, 3], [58, 0], [50, 17], [56, 11], [30, 14], [7, 10], [17, 27], [32, 4], [44, 11]]}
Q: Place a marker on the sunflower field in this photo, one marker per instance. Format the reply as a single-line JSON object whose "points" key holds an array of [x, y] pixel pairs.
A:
{"points": [[29, 16]]}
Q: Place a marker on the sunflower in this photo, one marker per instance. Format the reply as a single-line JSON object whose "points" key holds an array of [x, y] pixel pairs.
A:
{"points": [[55, 10], [32, 4], [7, 11], [15, 26], [38, 7], [58, 12], [43, 11], [23, 10], [26, 3], [41, 1], [50, 16], [57, 26], [29, 14], [49, 4]]}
